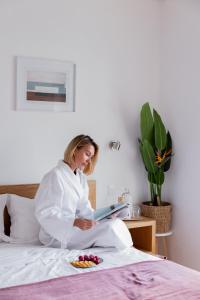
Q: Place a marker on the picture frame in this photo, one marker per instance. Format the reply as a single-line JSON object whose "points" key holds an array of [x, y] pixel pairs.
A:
{"points": [[45, 85]]}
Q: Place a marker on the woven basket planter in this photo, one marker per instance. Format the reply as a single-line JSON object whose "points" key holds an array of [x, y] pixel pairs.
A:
{"points": [[162, 215]]}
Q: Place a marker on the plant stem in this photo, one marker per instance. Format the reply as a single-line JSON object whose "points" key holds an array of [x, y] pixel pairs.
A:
{"points": [[159, 195]]}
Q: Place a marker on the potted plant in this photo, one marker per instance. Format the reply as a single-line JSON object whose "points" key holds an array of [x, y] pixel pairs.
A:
{"points": [[156, 151]]}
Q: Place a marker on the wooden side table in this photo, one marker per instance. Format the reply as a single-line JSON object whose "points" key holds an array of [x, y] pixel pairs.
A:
{"points": [[143, 233]]}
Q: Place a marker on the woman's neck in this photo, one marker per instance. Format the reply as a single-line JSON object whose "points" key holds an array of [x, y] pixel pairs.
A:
{"points": [[72, 167]]}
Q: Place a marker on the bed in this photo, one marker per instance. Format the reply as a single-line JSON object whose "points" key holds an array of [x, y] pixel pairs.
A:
{"points": [[29, 270]]}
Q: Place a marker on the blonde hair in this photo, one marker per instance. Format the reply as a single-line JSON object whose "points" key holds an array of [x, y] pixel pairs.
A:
{"points": [[77, 143]]}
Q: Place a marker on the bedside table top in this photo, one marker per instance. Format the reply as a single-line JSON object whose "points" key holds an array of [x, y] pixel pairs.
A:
{"points": [[144, 221]]}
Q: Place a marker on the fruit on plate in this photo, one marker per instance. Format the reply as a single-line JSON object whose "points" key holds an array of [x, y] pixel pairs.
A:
{"points": [[81, 258], [94, 258], [87, 261], [83, 264]]}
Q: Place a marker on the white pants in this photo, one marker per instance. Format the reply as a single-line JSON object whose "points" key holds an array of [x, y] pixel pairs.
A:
{"points": [[107, 233]]}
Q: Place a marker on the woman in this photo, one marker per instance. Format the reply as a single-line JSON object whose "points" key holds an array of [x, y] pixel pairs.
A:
{"points": [[63, 209]]}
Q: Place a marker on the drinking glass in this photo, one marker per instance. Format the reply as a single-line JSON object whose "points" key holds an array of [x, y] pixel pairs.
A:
{"points": [[136, 212]]}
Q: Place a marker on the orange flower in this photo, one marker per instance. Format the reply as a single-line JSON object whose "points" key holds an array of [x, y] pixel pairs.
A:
{"points": [[160, 158]]}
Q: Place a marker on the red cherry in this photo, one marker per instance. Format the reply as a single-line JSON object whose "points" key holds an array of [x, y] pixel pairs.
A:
{"points": [[86, 257], [98, 261], [95, 260], [81, 258], [91, 257]]}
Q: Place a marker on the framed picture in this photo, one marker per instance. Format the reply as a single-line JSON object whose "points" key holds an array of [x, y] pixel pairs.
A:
{"points": [[45, 85]]}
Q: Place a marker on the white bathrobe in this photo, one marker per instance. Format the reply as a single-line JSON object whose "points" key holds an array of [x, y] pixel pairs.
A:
{"points": [[63, 196]]}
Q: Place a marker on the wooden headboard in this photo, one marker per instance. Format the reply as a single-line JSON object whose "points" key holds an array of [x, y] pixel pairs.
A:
{"points": [[29, 191]]}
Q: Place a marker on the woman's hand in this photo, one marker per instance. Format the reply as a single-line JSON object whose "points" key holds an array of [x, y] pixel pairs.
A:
{"points": [[84, 224]]}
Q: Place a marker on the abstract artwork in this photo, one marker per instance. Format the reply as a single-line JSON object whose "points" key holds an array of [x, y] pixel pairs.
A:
{"points": [[44, 84]]}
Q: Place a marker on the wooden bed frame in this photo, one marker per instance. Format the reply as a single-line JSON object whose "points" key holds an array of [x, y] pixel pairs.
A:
{"points": [[29, 191]]}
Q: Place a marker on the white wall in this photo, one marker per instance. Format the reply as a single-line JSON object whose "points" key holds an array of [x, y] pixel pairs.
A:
{"points": [[180, 94], [115, 46]]}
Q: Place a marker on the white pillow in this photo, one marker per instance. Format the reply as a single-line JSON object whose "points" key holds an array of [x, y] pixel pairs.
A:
{"points": [[24, 226], [3, 199]]}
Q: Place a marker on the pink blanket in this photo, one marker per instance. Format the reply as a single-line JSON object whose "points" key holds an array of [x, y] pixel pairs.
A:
{"points": [[152, 280]]}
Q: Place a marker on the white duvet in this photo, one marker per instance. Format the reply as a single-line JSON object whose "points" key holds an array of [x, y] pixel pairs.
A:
{"points": [[22, 264]]}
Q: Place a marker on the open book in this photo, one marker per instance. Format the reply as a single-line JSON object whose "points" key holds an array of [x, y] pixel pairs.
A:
{"points": [[108, 211]]}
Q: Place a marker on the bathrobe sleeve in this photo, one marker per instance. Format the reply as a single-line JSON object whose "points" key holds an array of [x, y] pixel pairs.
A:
{"points": [[84, 208], [55, 220]]}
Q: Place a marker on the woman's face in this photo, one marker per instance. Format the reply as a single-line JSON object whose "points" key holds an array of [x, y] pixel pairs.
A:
{"points": [[83, 156]]}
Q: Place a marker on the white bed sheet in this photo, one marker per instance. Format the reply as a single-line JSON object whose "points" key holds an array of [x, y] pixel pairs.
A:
{"points": [[22, 264]]}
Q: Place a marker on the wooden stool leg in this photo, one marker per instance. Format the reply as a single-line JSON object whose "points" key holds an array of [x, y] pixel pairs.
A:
{"points": [[157, 246], [164, 246]]}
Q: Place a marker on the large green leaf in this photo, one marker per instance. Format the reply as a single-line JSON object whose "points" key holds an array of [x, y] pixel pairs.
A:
{"points": [[141, 151], [160, 132], [169, 141], [169, 146], [146, 123], [149, 157]]}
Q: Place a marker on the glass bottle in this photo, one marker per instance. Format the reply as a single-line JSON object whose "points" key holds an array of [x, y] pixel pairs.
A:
{"points": [[127, 199]]}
